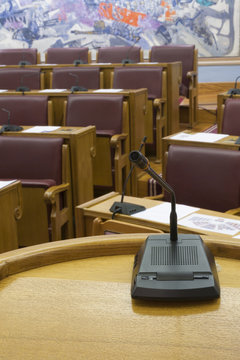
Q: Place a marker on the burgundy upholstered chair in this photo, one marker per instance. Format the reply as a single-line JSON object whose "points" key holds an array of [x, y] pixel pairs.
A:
{"points": [[119, 54], [26, 110], [13, 78], [187, 55], [109, 113], [42, 165], [68, 56], [19, 57], [204, 177], [84, 77], [230, 117], [154, 79]]}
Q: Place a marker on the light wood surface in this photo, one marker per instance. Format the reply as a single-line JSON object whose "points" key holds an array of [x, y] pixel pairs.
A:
{"points": [[80, 307], [11, 208]]}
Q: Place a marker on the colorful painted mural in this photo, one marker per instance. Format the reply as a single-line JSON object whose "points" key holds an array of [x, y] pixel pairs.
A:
{"points": [[212, 25]]}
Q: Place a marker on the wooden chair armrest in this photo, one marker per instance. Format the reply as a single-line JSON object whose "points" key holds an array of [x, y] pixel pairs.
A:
{"points": [[158, 102], [235, 211], [192, 74], [61, 211], [50, 193], [115, 139]]}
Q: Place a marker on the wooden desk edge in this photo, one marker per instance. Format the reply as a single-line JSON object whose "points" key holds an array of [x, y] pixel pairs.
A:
{"points": [[31, 257]]}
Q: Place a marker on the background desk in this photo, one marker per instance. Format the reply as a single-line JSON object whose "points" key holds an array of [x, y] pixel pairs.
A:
{"points": [[99, 207], [82, 144], [80, 306], [10, 212], [226, 143]]}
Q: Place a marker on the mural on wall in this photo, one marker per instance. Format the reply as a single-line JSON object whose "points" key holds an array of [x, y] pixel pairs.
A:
{"points": [[212, 25]]}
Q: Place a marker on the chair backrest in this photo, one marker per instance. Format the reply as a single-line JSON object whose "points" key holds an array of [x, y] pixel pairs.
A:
{"points": [[86, 77], [204, 177], [24, 110], [230, 123], [117, 54], [102, 110], [139, 77], [172, 53], [11, 79], [35, 158], [67, 55], [16, 56]]}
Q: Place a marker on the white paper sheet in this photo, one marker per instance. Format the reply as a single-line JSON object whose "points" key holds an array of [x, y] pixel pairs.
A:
{"points": [[3, 90], [161, 213], [41, 129], [107, 90], [200, 136], [6, 183], [211, 223], [52, 90]]}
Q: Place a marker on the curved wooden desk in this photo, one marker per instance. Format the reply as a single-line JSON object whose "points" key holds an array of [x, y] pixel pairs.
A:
{"points": [[80, 306]]}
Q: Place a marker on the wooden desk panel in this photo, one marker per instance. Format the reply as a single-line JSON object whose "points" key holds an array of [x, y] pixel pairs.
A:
{"points": [[226, 143], [80, 306], [82, 142], [10, 212], [86, 213]]}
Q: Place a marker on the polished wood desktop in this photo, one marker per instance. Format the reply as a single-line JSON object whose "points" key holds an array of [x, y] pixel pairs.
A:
{"points": [[82, 143], [99, 208], [10, 212], [71, 300]]}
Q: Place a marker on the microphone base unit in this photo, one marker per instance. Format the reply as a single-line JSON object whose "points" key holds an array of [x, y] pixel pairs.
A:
{"points": [[11, 128], [22, 89], [126, 208], [174, 270], [128, 61], [78, 88]]}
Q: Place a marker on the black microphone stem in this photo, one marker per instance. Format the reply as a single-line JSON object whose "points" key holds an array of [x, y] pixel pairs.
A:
{"points": [[143, 163]]}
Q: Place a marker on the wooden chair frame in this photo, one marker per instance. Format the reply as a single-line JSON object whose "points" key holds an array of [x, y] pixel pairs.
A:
{"points": [[120, 143], [60, 209], [160, 105]]}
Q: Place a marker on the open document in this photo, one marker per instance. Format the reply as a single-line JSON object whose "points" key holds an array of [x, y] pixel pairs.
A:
{"points": [[200, 137], [161, 212]]}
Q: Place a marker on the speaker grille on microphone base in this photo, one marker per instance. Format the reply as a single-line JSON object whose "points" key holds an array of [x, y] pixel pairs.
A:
{"points": [[174, 255]]}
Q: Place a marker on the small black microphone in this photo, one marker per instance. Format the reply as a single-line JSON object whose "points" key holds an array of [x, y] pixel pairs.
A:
{"points": [[24, 62], [9, 127], [172, 266], [77, 87], [142, 162], [127, 60], [78, 62], [124, 207], [23, 88], [234, 91]]}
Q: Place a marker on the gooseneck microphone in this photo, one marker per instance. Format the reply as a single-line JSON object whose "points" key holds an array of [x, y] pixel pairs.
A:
{"points": [[9, 127], [124, 207], [142, 162], [127, 60], [235, 91], [77, 87], [172, 266], [22, 87]]}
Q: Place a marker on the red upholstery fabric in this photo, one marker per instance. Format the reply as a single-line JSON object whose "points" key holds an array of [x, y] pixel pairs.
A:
{"points": [[171, 53], [102, 110], [231, 117], [65, 78], [204, 177], [24, 110], [14, 56], [139, 77], [115, 54], [11, 79], [31, 158], [66, 55]]}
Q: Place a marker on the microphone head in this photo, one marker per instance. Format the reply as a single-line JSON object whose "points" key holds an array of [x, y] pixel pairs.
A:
{"points": [[139, 159]]}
